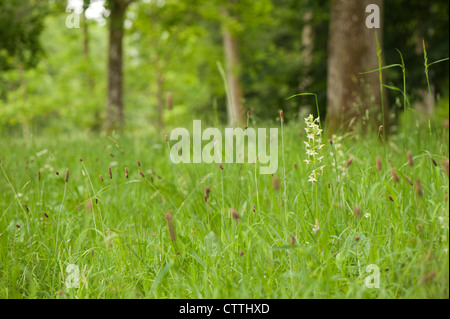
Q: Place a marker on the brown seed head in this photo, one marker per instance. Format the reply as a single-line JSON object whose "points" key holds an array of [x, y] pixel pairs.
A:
{"points": [[419, 188], [138, 163], [169, 100], [142, 174], [220, 166], [234, 214], [433, 161], [444, 165], [241, 253], [408, 180], [126, 172], [379, 163], [292, 241], [357, 238], [281, 114], [349, 162], [395, 175], [428, 277], [170, 225], [166, 138], [101, 178], [57, 173], [331, 142], [207, 191], [46, 215], [357, 211], [410, 158], [111, 154], [110, 172], [390, 198], [276, 183], [80, 159], [67, 175], [295, 165]]}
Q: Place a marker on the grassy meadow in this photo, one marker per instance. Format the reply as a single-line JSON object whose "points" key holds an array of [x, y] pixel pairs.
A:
{"points": [[152, 233]]}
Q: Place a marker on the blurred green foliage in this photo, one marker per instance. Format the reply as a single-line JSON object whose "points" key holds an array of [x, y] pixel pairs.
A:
{"points": [[46, 83]]}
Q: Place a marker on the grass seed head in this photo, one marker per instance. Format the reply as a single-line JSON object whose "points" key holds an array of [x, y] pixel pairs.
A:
{"points": [[101, 178], [410, 158], [67, 175], [110, 172], [428, 277], [276, 183], [408, 180], [390, 198], [433, 161], [419, 188], [169, 99], [349, 162], [142, 174], [234, 214], [357, 211], [444, 165], [292, 241], [126, 172], [395, 175], [170, 225], [379, 163]]}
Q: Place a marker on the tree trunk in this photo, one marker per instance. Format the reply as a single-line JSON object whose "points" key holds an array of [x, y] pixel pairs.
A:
{"points": [[232, 61], [306, 56], [114, 107], [353, 100]]}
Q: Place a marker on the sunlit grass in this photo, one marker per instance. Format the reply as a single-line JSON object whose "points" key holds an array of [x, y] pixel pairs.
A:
{"points": [[116, 230]]}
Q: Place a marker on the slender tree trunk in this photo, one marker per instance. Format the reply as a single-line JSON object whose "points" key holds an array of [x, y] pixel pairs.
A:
{"points": [[114, 108], [232, 60], [352, 50], [306, 56]]}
